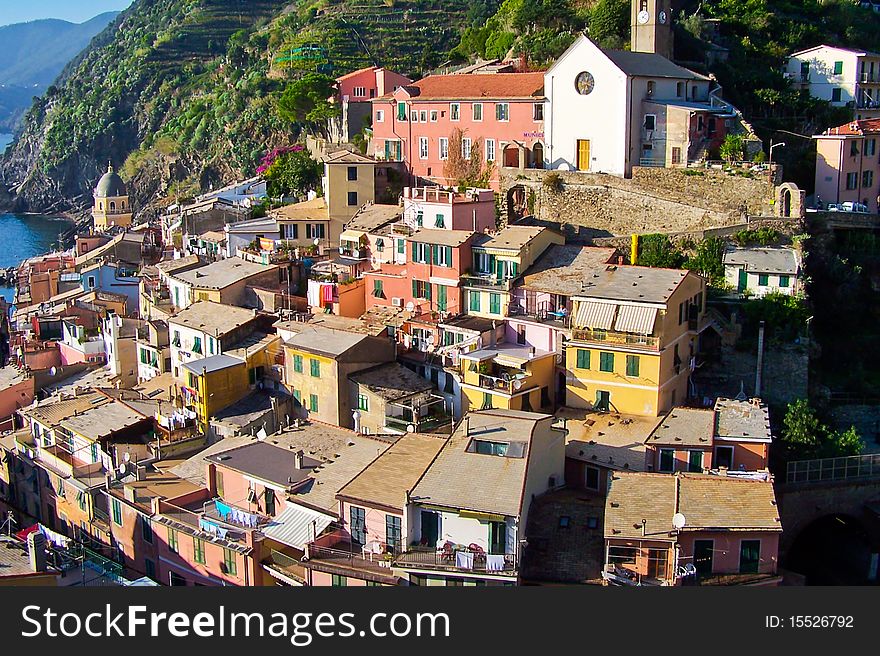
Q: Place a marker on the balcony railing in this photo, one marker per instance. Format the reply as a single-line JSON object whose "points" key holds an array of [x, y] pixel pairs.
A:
{"points": [[611, 337], [422, 424], [833, 469], [505, 385], [487, 280], [353, 558], [449, 561]]}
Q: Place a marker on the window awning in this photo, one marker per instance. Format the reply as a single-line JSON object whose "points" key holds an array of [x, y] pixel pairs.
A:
{"points": [[636, 319], [296, 526], [592, 314], [351, 235]]}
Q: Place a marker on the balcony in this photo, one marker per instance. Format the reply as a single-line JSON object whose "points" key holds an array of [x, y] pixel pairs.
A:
{"points": [[353, 253], [614, 338], [425, 424], [487, 280], [447, 559], [505, 383]]}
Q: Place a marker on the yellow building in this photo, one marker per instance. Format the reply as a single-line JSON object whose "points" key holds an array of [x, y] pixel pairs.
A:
{"points": [[508, 377], [498, 260], [633, 337], [317, 364], [111, 202], [349, 184], [212, 384]]}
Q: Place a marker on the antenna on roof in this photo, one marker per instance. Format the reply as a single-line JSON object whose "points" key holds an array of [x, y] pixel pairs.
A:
{"points": [[679, 521]]}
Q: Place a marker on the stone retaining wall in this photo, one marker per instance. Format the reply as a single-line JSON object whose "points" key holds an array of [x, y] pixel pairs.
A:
{"points": [[654, 200]]}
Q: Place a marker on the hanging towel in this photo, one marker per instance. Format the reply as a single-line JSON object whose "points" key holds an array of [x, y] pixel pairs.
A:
{"points": [[222, 509], [464, 560], [494, 563], [222, 532], [314, 294]]}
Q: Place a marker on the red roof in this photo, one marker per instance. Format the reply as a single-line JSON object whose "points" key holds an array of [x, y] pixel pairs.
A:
{"points": [[494, 85], [855, 128], [357, 72]]}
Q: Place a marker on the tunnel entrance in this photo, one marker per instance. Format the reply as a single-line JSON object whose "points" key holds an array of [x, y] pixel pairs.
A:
{"points": [[835, 550]]}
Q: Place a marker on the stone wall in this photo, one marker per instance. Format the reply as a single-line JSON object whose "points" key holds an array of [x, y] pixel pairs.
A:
{"points": [[654, 200]]}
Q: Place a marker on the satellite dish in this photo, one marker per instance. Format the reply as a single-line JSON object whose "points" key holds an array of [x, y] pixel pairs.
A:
{"points": [[317, 241], [122, 469], [355, 415], [410, 306], [126, 457], [410, 428], [517, 384], [678, 521], [53, 371], [261, 435]]}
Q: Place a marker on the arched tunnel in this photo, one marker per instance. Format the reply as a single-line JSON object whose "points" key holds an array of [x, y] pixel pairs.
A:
{"points": [[835, 549]]}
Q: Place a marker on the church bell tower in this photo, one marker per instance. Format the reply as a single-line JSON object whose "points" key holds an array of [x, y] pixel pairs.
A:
{"points": [[652, 27]]}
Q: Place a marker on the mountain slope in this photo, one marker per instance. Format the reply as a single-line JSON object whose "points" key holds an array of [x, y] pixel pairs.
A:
{"points": [[32, 56], [184, 91]]}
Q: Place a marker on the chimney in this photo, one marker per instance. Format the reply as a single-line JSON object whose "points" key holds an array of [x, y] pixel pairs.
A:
{"points": [[36, 542], [466, 422], [298, 459]]}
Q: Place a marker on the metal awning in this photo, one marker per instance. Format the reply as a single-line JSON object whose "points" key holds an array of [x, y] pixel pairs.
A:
{"points": [[296, 526], [637, 319], [351, 235], [592, 314]]}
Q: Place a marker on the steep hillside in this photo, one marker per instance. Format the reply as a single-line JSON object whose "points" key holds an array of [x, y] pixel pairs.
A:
{"points": [[184, 91], [32, 56]]}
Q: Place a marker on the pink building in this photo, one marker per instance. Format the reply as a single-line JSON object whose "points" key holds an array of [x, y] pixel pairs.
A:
{"points": [[431, 277], [847, 164], [368, 83], [372, 527], [709, 530], [355, 91], [503, 113], [459, 209]]}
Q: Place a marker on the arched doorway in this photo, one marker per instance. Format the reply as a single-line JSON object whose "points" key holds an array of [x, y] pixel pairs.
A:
{"points": [[517, 206], [538, 156], [834, 550], [510, 156], [786, 203]]}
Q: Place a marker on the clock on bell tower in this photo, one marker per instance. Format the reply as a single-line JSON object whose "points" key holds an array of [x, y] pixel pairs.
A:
{"points": [[652, 27]]}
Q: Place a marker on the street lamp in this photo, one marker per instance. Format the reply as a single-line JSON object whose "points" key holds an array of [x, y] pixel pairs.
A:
{"points": [[774, 145]]}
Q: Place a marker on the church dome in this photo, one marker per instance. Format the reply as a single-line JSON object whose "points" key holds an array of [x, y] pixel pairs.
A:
{"points": [[110, 185]]}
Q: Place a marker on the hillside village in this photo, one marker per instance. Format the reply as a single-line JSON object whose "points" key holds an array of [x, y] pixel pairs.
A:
{"points": [[526, 332]]}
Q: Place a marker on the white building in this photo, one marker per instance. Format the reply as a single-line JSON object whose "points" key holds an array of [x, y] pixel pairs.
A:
{"points": [[763, 270], [610, 110], [843, 77]]}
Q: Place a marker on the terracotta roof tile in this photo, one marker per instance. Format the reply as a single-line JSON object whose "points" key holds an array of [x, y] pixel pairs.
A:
{"points": [[499, 85]]}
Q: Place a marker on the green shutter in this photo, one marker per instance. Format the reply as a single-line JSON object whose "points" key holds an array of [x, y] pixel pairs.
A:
{"points": [[494, 303], [428, 291], [441, 298], [632, 365], [583, 359], [415, 288]]}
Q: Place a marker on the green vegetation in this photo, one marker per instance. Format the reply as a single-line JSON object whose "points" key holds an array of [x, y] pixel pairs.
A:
{"points": [[762, 236], [657, 250], [305, 101], [707, 260], [470, 171], [785, 317], [290, 172], [805, 436]]}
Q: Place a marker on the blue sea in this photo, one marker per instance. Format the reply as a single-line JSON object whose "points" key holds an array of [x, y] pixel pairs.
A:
{"points": [[25, 235]]}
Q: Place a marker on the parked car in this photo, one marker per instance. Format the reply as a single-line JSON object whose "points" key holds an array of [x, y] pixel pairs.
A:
{"points": [[850, 206]]}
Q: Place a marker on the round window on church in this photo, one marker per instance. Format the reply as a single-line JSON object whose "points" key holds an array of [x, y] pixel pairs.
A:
{"points": [[584, 83]]}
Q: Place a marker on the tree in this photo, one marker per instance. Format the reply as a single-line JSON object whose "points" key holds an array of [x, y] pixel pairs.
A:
{"points": [[307, 101], [290, 171], [708, 260], [805, 436], [658, 251], [732, 148], [469, 171], [609, 22]]}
